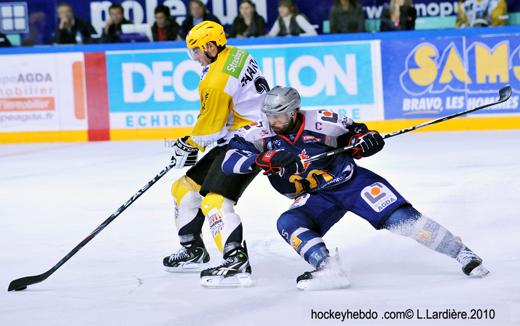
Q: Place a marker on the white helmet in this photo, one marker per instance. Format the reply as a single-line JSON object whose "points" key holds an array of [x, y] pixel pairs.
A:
{"points": [[281, 100]]}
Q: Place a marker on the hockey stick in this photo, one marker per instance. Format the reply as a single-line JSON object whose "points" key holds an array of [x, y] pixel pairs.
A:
{"points": [[504, 95], [22, 283]]}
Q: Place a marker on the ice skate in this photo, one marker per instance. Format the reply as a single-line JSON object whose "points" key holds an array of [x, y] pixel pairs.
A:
{"points": [[471, 263], [328, 276], [234, 272], [188, 259]]}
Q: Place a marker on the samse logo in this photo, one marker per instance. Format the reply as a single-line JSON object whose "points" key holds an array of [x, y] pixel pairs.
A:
{"points": [[434, 69]]}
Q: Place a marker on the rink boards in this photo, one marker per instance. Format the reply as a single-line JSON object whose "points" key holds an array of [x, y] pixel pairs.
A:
{"points": [[149, 91]]}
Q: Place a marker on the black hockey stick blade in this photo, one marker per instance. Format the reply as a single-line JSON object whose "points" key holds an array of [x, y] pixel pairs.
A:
{"points": [[22, 283], [505, 93]]}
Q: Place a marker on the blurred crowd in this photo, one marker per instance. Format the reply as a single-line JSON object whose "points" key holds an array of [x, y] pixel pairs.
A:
{"points": [[345, 16]]}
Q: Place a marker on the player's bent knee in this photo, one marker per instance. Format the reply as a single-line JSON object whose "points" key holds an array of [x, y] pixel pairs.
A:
{"points": [[286, 224], [212, 201], [183, 186], [224, 223]]}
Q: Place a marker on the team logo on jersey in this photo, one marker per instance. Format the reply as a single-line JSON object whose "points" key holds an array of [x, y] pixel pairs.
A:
{"points": [[215, 222], [378, 196], [272, 143], [310, 139], [299, 201], [303, 156], [205, 70]]}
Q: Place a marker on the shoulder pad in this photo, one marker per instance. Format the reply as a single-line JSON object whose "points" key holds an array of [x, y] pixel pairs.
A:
{"points": [[254, 131], [326, 122]]}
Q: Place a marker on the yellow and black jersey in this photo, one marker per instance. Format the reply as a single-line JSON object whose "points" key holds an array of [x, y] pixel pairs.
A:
{"points": [[231, 91]]}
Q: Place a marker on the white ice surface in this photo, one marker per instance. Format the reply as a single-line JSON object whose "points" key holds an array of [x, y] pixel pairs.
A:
{"points": [[53, 195]]}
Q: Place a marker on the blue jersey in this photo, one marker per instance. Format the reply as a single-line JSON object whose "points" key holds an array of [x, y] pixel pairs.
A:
{"points": [[321, 131]]}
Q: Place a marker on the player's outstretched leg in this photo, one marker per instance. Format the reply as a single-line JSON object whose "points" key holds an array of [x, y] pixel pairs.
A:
{"points": [[226, 229], [296, 229], [409, 222], [192, 256]]}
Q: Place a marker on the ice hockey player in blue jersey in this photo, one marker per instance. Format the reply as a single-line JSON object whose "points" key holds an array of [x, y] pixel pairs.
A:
{"points": [[325, 190]]}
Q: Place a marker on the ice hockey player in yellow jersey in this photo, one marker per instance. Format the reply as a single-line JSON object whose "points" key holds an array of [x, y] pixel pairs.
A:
{"points": [[231, 91]]}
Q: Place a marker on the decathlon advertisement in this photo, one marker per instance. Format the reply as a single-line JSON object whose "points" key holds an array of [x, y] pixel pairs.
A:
{"points": [[444, 75], [158, 89]]}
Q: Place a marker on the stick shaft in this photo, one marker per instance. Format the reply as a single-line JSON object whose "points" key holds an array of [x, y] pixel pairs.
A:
{"points": [[505, 94]]}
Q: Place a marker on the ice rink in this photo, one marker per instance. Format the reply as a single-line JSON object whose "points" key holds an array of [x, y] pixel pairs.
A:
{"points": [[53, 195]]}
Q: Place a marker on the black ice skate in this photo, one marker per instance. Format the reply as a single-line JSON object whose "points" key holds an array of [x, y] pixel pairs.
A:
{"points": [[234, 271], [471, 263], [192, 258], [328, 276]]}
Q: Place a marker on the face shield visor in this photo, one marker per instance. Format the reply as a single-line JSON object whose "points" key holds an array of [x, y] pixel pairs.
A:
{"points": [[194, 53]]}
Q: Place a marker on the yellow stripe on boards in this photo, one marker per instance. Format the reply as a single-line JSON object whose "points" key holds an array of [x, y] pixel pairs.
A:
{"points": [[456, 124], [149, 133], [43, 136]]}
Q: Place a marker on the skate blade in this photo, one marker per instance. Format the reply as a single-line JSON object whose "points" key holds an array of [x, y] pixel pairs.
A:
{"points": [[479, 272], [238, 280], [322, 285], [187, 268]]}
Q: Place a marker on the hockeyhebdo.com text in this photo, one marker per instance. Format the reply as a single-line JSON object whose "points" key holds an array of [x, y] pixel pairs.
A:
{"points": [[404, 314]]}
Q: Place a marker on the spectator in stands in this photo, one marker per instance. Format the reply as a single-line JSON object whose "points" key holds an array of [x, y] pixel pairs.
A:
{"points": [[198, 13], [39, 30], [346, 16], [481, 13], [165, 28], [290, 21], [112, 29], [4, 41], [399, 15], [70, 29], [248, 23]]}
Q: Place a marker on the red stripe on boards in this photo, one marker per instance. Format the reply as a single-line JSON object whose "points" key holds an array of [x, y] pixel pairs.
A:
{"points": [[97, 96]]}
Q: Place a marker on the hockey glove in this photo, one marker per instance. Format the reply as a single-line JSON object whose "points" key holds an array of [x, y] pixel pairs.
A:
{"points": [[184, 154], [366, 144], [284, 163]]}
